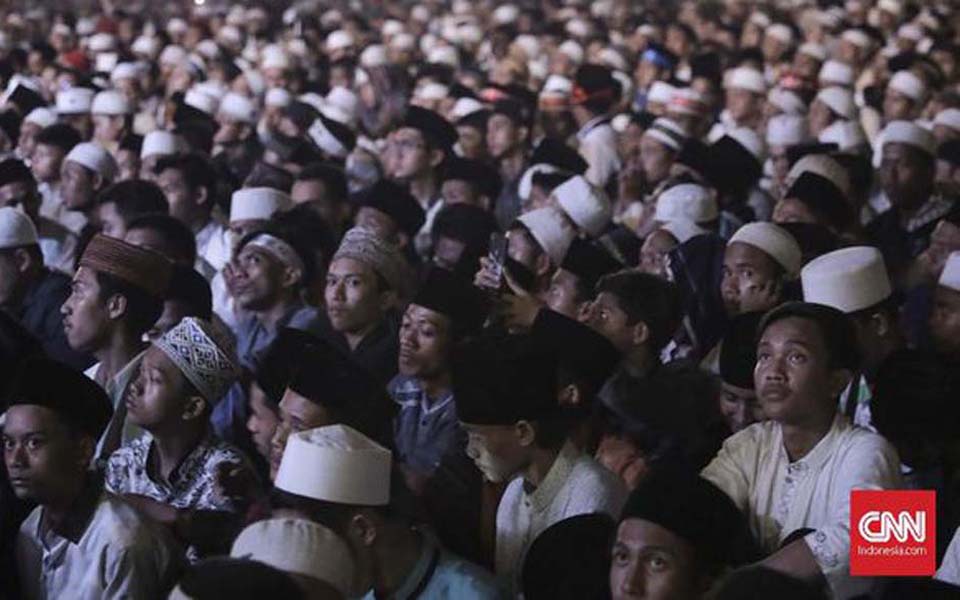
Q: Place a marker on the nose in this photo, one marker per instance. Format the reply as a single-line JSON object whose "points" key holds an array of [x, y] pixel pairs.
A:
{"points": [[17, 457], [472, 450], [635, 581], [280, 438]]}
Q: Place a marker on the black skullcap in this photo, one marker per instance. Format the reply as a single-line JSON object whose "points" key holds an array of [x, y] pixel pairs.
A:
{"points": [[396, 202], [432, 125], [274, 367], [468, 224], [738, 351], [570, 559], [301, 113], [503, 379], [477, 172], [837, 329], [343, 133], [477, 119], [25, 99], [332, 175], [695, 155], [61, 135], [694, 509], [452, 296], [731, 167], [584, 356], [595, 83], [325, 376], [824, 198], [514, 110], [187, 285], [589, 262], [643, 118], [10, 124], [950, 152], [554, 152], [708, 66], [184, 113], [814, 239], [74, 397], [12, 170]]}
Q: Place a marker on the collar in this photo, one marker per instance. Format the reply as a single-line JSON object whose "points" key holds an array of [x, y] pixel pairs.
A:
{"points": [[935, 208], [409, 393], [541, 497], [422, 571], [78, 517], [183, 468], [591, 125], [818, 456]]}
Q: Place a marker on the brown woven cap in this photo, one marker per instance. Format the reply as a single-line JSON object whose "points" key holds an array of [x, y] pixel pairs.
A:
{"points": [[145, 269]]}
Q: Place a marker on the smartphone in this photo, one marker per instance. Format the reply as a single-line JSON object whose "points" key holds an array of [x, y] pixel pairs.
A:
{"points": [[498, 254]]}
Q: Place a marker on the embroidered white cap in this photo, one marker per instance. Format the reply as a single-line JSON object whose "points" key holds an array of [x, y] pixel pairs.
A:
{"points": [[586, 205], [238, 108], [773, 240], [682, 230], [847, 135], [745, 78], [110, 102], [908, 84], [668, 132], [160, 143], [948, 117], [300, 547], [41, 116], [93, 157], [686, 202], [849, 280], [551, 230], [16, 229], [687, 101], [839, 100], [258, 203], [950, 277], [335, 464], [787, 130], [788, 102], [834, 72], [75, 101], [911, 134]]}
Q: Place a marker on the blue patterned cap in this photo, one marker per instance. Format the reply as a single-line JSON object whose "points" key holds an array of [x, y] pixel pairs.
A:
{"points": [[203, 354]]}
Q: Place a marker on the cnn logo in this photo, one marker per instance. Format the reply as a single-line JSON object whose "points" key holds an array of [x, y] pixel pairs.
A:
{"points": [[892, 532], [879, 526]]}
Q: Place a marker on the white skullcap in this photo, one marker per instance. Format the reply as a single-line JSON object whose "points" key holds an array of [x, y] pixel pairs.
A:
{"points": [[911, 32], [278, 98], [773, 240], [668, 132], [420, 13], [911, 134], [75, 101], [780, 32], [230, 35], [125, 70], [815, 51], [839, 100], [557, 85], [857, 37], [176, 25], [847, 135], [837, 73], [529, 44], [745, 78], [238, 108], [444, 55], [160, 143], [207, 49], [201, 101], [172, 55], [257, 204], [686, 202], [948, 117], [403, 41], [105, 62], [255, 82], [432, 91], [950, 277], [86, 26], [16, 229], [41, 116], [526, 180], [342, 105], [788, 102], [620, 122], [660, 92], [586, 205], [335, 464], [214, 89], [824, 166], [787, 130], [891, 6], [551, 230], [849, 280], [578, 28], [749, 139], [339, 40], [61, 29], [572, 50], [613, 59], [300, 547], [101, 42], [760, 19], [687, 101], [428, 42], [373, 56], [110, 102], [908, 84], [465, 106], [682, 230], [391, 27], [93, 157], [275, 59], [469, 33]]}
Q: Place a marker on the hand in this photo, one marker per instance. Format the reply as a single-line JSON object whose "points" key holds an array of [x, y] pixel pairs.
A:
{"points": [[155, 510], [233, 482], [757, 297], [518, 311], [230, 277], [486, 277]]}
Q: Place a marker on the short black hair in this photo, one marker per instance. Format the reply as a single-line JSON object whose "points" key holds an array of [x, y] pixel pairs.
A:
{"points": [[183, 244], [189, 287], [59, 135], [332, 176], [646, 298], [836, 328], [143, 309], [134, 198], [197, 171]]}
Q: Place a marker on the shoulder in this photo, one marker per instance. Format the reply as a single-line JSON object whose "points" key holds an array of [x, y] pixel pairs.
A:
{"points": [[857, 442], [592, 485], [510, 499], [470, 580], [218, 451], [123, 528], [754, 438], [588, 473]]}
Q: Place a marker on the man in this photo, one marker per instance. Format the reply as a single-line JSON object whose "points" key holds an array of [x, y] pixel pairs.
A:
{"points": [[907, 176], [472, 182], [905, 97], [391, 213], [323, 187], [53, 144], [73, 108], [444, 311], [112, 119], [505, 391], [759, 260], [117, 295], [357, 498], [461, 237], [572, 285], [87, 170], [595, 93], [508, 135], [123, 202], [677, 535], [738, 357], [365, 283], [31, 293], [35, 121], [156, 145], [945, 318], [777, 471], [166, 235], [746, 92], [79, 541]]}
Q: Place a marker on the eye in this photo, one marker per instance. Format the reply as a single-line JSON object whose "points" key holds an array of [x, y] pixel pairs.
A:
{"points": [[798, 358], [8, 444], [35, 443], [658, 563], [620, 556], [763, 356]]}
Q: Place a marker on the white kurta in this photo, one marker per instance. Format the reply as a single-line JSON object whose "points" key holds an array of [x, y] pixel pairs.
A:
{"points": [[780, 497], [949, 570], [575, 485], [598, 145]]}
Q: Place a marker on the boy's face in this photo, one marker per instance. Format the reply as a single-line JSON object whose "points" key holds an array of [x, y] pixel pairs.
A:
{"points": [[497, 451], [158, 396]]}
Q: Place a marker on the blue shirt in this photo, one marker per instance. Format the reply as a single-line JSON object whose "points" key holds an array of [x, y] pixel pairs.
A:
{"points": [[425, 429]]}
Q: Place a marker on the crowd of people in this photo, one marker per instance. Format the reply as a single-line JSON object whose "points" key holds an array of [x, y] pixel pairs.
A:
{"points": [[428, 299]]}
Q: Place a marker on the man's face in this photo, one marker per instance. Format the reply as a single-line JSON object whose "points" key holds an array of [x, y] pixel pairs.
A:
{"points": [[906, 178], [259, 279], [742, 104], [655, 159], [605, 316], [22, 195], [82, 123], [793, 379], [945, 321], [896, 106], [739, 407], [314, 193], [412, 154], [263, 420], [522, 248], [425, 339], [562, 295], [45, 162], [944, 240], [43, 459], [792, 210], [806, 66], [111, 223], [86, 320], [147, 165], [447, 252], [745, 270], [378, 223], [296, 414], [180, 197], [27, 142], [352, 295], [651, 562], [107, 129], [496, 450], [76, 186], [458, 191], [128, 165], [230, 131], [501, 136], [654, 252], [472, 143], [9, 277], [157, 397]]}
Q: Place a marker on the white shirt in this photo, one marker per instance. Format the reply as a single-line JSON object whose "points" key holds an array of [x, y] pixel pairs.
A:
{"points": [[213, 249], [598, 145], [52, 207], [575, 485], [949, 570], [119, 430], [780, 497]]}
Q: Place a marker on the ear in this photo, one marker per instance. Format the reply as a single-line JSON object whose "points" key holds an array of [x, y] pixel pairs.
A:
{"points": [[839, 380], [525, 432], [543, 264], [570, 396], [880, 324], [202, 197], [86, 447], [97, 181], [22, 259], [193, 408], [641, 333], [116, 306], [362, 528], [523, 132], [291, 277], [436, 157]]}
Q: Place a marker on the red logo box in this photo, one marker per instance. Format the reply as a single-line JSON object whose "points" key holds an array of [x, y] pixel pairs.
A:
{"points": [[893, 533]]}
